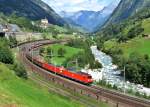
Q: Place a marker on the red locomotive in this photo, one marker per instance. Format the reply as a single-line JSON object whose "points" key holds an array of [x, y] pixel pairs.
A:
{"points": [[81, 77]]}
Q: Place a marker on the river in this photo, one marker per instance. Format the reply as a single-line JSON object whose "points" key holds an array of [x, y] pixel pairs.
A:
{"points": [[109, 72], [111, 75]]}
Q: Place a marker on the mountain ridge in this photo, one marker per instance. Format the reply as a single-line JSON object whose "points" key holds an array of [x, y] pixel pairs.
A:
{"points": [[91, 20], [129, 27], [125, 9], [87, 18], [31, 9]]}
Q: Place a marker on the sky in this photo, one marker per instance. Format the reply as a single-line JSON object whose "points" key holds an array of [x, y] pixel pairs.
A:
{"points": [[77, 5]]}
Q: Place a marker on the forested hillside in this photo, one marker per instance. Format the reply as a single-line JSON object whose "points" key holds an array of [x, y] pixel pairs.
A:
{"points": [[127, 8], [32, 9], [128, 40], [128, 28]]}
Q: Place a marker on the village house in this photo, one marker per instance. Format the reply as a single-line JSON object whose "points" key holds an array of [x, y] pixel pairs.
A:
{"points": [[44, 23]]}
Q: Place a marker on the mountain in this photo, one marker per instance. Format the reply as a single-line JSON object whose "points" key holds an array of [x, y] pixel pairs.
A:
{"points": [[129, 20], [66, 14], [32, 9], [87, 19], [127, 8], [90, 20]]}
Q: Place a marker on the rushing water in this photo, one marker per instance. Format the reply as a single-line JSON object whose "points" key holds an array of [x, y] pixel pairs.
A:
{"points": [[111, 75], [109, 72]]}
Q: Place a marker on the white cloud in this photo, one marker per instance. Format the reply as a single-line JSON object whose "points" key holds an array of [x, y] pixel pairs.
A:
{"points": [[76, 5]]}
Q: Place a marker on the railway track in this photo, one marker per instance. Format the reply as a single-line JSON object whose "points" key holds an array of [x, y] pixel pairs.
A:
{"points": [[100, 94], [62, 92]]}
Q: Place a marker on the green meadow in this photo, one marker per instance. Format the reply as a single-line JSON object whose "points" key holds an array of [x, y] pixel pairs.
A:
{"points": [[25, 93], [139, 45], [70, 52]]}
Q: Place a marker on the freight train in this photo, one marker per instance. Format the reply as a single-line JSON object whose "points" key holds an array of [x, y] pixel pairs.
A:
{"points": [[80, 77]]}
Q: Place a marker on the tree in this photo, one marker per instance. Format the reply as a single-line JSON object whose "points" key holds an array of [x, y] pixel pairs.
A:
{"points": [[137, 69], [42, 50], [44, 35], [13, 41], [49, 51], [54, 31], [99, 42], [135, 31], [86, 57], [122, 38], [132, 73], [6, 55], [98, 65], [61, 52], [20, 70]]}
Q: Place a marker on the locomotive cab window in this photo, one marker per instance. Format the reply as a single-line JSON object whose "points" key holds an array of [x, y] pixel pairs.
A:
{"points": [[2, 34], [90, 77]]}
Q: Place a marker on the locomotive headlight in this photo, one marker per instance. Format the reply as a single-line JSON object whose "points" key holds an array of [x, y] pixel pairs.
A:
{"points": [[61, 70]]}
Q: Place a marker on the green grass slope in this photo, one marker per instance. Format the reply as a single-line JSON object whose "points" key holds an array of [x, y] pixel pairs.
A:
{"points": [[25, 93], [139, 45], [70, 52], [146, 26]]}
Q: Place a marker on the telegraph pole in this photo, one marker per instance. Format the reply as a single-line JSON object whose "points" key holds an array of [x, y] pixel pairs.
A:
{"points": [[76, 64], [55, 67], [32, 49], [124, 79], [32, 46], [51, 55]]}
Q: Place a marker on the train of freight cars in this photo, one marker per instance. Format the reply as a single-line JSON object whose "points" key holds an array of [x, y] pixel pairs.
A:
{"points": [[80, 77]]}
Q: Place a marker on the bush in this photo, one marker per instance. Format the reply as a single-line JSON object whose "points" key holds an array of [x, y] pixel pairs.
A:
{"points": [[137, 94], [61, 52], [44, 35], [97, 65], [137, 69], [42, 50], [115, 87], [122, 38], [6, 55], [20, 70], [135, 31], [12, 41], [102, 83], [49, 51], [86, 57]]}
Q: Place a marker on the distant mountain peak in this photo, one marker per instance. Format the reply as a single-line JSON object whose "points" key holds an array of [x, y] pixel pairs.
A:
{"points": [[89, 20]]}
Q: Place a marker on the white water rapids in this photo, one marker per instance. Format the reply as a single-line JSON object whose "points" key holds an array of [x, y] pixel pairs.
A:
{"points": [[110, 74]]}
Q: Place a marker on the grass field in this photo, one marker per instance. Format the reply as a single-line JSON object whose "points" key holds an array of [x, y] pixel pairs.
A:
{"points": [[25, 93], [139, 45], [59, 36], [146, 26], [70, 52]]}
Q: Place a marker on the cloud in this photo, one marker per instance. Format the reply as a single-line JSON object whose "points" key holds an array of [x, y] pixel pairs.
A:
{"points": [[76, 5]]}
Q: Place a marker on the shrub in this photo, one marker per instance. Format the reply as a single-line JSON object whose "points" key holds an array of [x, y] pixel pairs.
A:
{"points": [[49, 51], [12, 41], [42, 50], [6, 55], [61, 52], [20, 70]]}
